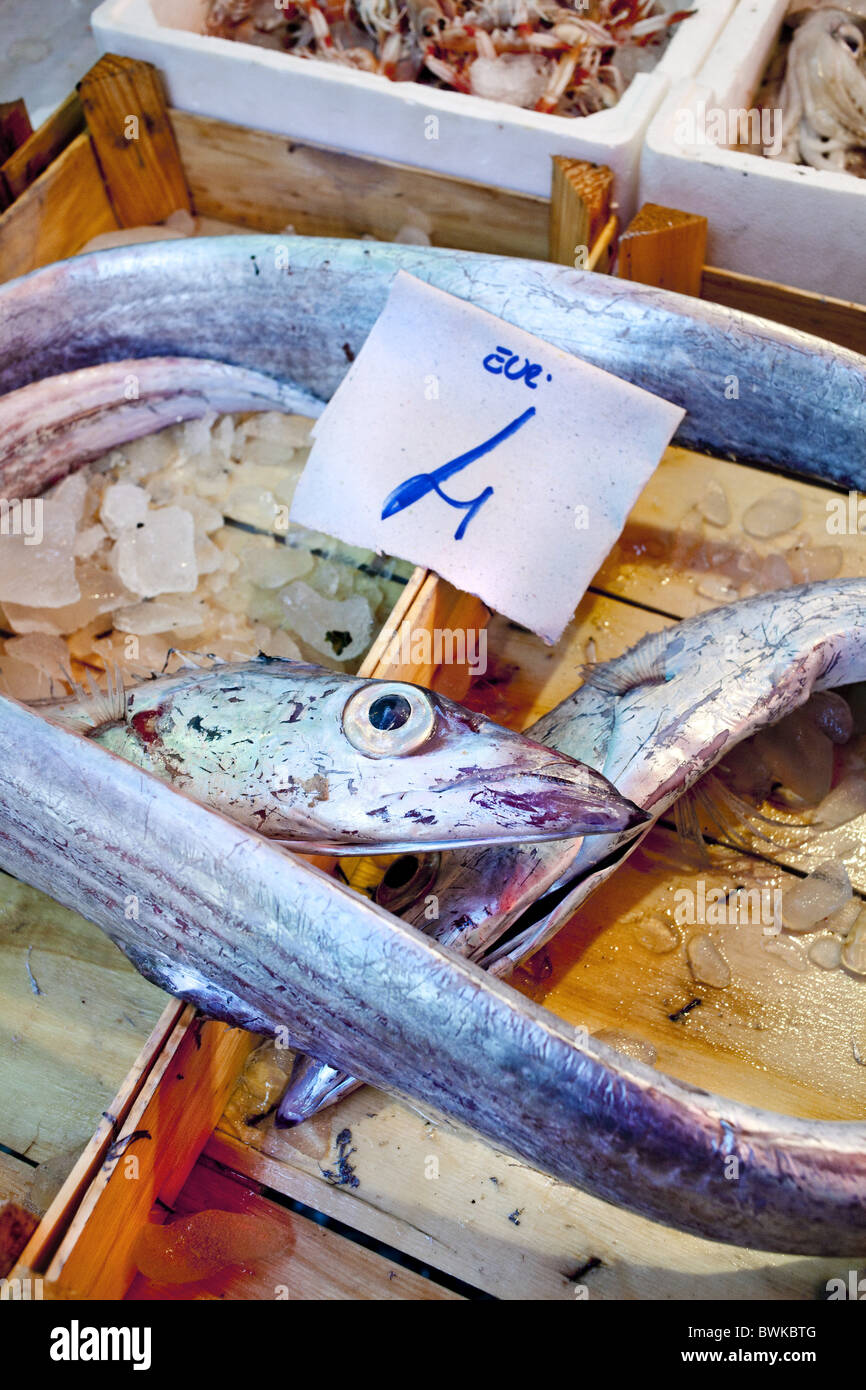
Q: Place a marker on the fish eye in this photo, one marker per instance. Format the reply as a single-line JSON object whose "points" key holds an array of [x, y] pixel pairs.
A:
{"points": [[389, 720], [389, 712], [406, 879]]}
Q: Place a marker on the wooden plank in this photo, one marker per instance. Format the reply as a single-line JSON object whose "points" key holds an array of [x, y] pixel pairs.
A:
{"points": [[151, 1157], [132, 134], [266, 183], [16, 1179], [837, 320], [441, 1194], [664, 247], [409, 654], [57, 214], [579, 209], [668, 558], [56, 1219], [64, 1051], [16, 1227], [15, 127], [309, 1262], [43, 146]]}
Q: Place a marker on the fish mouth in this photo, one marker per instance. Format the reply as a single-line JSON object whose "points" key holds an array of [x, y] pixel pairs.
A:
{"points": [[554, 799]]}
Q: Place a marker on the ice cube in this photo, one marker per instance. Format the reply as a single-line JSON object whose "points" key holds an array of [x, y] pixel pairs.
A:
{"points": [[337, 628], [255, 506], [183, 616], [854, 949], [270, 565], [518, 79], [845, 803], [123, 505], [714, 506], [276, 643], [206, 516], [707, 964], [776, 511], [89, 541], [48, 654], [37, 553], [158, 555], [818, 895], [809, 563], [100, 591]]}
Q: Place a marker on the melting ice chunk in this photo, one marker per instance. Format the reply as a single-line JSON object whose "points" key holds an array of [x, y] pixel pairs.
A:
{"points": [[157, 556], [123, 505], [818, 895], [37, 554], [334, 627]]}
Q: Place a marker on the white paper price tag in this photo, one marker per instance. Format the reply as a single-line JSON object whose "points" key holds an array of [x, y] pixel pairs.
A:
{"points": [[481, 452]]}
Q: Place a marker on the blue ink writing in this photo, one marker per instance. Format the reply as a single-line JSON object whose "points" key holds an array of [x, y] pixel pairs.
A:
{"points": [[413, 489], [503, 362]]}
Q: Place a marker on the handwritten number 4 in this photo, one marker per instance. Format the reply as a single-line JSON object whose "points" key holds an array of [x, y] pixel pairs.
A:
{"points": [[413, 489]]}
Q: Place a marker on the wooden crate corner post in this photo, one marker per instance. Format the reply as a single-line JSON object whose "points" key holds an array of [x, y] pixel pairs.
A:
{"points": [[134, 141], [664, 247], [582, 225]]}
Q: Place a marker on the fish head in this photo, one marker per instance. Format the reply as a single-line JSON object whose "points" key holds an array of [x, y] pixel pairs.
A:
{"points": [[441, 775], [331, 762]]}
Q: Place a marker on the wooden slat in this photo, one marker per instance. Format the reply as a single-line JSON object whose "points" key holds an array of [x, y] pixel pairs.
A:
{"points": [[437, 607], [43, 146], [579, 209], [57, 214], [310, 1262], [16, 1179], [128, 120], [441, 1194], [171, 1118], [837, 320], [15, 126], [664, 247], [56, 1219], [667, 553], [266, 183], [65, 1051]]}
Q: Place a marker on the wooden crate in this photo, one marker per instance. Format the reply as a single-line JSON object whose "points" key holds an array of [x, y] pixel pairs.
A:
{"points": [[485, 1219]]}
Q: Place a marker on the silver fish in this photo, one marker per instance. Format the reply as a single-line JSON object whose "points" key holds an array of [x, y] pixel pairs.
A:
{"points": [[298, 309], [328, 762], [53, 426], [215, 913], [212, 911], [654, 720]]}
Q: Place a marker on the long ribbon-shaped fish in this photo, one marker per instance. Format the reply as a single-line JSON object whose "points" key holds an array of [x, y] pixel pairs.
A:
{"points": [[298, 309], [654, 720]]}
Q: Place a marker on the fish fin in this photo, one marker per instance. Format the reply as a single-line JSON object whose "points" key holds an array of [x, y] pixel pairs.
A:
{"points": [[739, 823], [90, 707], [644, 664], [192, 661], [106, 706], [688, 825]]}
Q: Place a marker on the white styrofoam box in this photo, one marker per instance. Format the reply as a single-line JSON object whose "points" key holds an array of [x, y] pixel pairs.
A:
{"points": [[329, 104], [784, 222]]}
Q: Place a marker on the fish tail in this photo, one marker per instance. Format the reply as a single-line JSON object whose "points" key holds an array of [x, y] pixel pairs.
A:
{"points": [[311, 1087]]}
